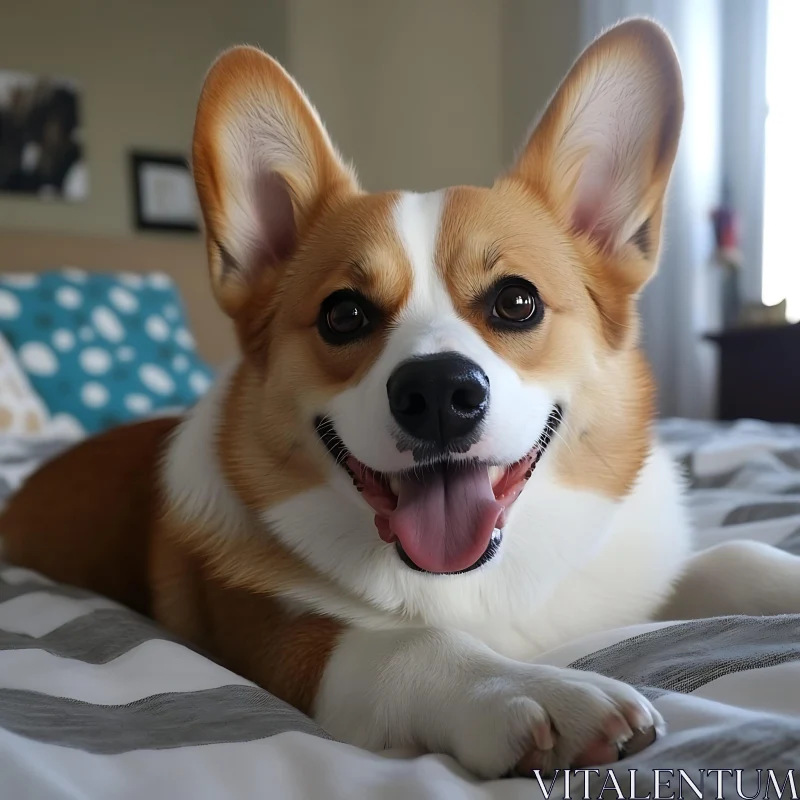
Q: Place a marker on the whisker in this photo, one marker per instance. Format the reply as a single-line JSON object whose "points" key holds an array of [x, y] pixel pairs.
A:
{"points": [[556, 431]]}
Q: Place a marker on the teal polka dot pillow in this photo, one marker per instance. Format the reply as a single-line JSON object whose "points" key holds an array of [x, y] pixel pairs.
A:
{"points": [[104, 349]]}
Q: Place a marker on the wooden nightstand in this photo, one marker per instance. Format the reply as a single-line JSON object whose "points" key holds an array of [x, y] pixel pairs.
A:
{"points": [[759, 373]]}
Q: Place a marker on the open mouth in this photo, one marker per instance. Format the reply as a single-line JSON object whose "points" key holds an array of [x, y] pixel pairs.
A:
{"points": [[444, 517]]}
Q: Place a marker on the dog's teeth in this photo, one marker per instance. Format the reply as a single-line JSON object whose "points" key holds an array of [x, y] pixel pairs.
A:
{"points": [[495, 473], [394, 484]]}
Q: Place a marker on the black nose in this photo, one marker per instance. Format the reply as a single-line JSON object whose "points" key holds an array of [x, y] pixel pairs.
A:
{"points": [[440, 398]]}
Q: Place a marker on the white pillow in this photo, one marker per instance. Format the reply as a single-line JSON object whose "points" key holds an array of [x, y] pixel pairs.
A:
{"points": [[22, 411]]}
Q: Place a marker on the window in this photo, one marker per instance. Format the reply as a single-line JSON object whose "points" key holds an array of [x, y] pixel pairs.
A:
{"points": [[781, 247]]}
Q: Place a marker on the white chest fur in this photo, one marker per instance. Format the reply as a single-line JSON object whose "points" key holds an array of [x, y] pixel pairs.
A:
{"points": [[571, 562]]}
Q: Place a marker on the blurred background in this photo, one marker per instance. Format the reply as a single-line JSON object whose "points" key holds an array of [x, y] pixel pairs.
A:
{"points": [[418, 94]]}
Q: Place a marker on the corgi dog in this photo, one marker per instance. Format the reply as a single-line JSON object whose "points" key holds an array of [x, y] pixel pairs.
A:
{"points": [[435, 457]]}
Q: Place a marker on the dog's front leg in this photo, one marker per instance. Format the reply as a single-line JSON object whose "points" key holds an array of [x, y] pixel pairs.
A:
{"points": [[445, 692], [739, 577]]}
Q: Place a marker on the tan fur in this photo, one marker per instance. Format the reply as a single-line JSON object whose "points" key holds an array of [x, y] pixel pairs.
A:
{"points": [[636, 42], [510, 230], [120, 545], [226, 590], [228, 604], [103, 491], [242, 80]]}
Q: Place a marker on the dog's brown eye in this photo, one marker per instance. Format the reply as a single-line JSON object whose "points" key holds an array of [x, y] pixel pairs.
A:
{"points": [[515, 303], [345, 316]]}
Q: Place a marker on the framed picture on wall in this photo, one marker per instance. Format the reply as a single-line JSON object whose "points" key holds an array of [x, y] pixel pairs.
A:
{"points": [[41, 137], [163, 193]]}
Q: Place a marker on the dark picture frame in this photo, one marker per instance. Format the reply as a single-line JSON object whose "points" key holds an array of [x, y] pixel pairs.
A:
{"points": [[163, 193]]}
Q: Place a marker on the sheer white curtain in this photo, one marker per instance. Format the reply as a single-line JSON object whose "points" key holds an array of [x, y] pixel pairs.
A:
{"points": [[681, 305]]}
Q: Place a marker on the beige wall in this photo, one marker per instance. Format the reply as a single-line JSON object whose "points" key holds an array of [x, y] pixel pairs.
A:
{"points": [[428, 93], [409, 89], [141, 65], [541, 39], [419, 94]]}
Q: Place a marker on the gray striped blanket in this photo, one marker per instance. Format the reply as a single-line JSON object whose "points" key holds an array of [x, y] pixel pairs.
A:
{"points": [[97, 702]]}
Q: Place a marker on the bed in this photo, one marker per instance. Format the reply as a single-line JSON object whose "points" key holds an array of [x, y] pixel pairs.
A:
{"points": [[97, 702]]}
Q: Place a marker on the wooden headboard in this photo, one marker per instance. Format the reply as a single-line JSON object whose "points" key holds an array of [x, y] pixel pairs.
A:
{"points": [[183, 259]]}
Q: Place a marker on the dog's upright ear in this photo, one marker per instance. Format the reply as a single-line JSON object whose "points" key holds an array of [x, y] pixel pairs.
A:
{"points": [[263, 166], [602, 153]]}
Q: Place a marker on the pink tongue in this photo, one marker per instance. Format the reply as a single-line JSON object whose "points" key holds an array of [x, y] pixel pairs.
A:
{"points": [[445, 517]]}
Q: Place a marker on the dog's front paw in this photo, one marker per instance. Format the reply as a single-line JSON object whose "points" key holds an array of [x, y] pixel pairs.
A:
{"points": [[545, 718]]}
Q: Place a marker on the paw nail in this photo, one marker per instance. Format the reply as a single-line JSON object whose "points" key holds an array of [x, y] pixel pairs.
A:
{"points": [[638, 742], [639, 717], [617, 730]]}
